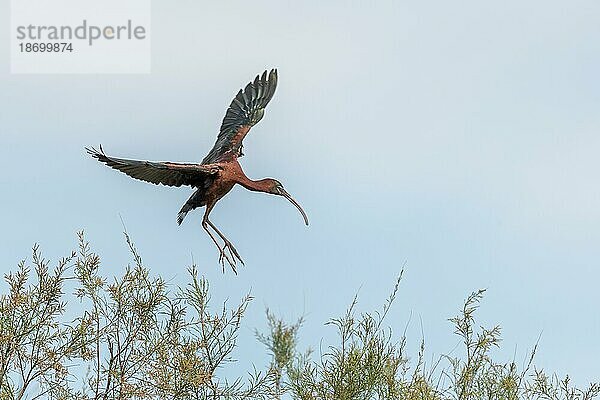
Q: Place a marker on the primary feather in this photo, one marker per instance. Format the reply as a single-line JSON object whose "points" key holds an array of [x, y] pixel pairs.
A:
{"points": [[165, 173], [245, 110]]}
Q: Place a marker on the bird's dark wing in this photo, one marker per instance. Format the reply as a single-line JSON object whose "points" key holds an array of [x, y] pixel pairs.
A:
{"points": [[246, 109], [166, 173]]}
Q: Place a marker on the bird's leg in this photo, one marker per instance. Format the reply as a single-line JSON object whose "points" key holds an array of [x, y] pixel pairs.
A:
{"points": [[228, 245], [222, 254]]}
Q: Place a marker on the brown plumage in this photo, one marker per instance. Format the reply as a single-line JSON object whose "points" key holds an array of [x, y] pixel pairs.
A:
{"points": [[220, 170]]}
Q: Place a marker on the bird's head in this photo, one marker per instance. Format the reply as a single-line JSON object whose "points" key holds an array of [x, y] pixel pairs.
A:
{"points": [[275, 187]]}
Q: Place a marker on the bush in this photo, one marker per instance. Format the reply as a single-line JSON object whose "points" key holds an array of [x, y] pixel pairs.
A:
{"points": [[134, 337]]}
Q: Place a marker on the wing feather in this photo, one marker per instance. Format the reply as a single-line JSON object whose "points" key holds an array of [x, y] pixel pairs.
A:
{"points": [[245, 110], [165, 173]]}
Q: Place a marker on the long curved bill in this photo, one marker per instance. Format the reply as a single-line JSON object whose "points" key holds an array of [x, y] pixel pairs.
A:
{"points": [[295, 203]]}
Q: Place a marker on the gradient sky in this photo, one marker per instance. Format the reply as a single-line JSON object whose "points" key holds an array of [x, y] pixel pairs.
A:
{"points": [[459, 137]]}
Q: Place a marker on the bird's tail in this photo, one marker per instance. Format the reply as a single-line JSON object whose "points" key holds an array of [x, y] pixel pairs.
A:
{"points": [[182, 213]]}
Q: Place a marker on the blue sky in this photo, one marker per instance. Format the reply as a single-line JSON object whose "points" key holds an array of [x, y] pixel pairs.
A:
{"points": [[460, 138]]}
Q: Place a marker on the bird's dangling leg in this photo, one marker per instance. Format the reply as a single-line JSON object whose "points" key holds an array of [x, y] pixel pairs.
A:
{"points": [[228, 245], [222, 254]]}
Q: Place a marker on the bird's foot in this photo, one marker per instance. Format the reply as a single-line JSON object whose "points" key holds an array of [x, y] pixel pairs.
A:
{"points": [[234, 253], [223, 256]]}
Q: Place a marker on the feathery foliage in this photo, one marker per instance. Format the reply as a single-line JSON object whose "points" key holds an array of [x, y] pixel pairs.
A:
{"points": [[135, 337]]}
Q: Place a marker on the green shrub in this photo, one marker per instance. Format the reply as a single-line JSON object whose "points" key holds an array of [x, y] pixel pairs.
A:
{"points": [[134, 337]]}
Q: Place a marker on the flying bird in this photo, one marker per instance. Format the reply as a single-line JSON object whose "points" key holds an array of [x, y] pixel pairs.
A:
{"points": [[220, 170]]}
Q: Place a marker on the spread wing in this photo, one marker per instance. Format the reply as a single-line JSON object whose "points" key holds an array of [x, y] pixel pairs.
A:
{"points": [[166, 173], [246, 109]]}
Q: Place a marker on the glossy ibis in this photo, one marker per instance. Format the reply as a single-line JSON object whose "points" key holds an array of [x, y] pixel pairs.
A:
{"points": [[220, 170]]}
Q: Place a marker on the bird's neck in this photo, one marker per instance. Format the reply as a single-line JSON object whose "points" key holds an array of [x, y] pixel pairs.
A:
{"points": [[261, 185]]}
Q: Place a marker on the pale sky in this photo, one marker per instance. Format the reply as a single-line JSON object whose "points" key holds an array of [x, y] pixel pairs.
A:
{"points": [[459, 137]]}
